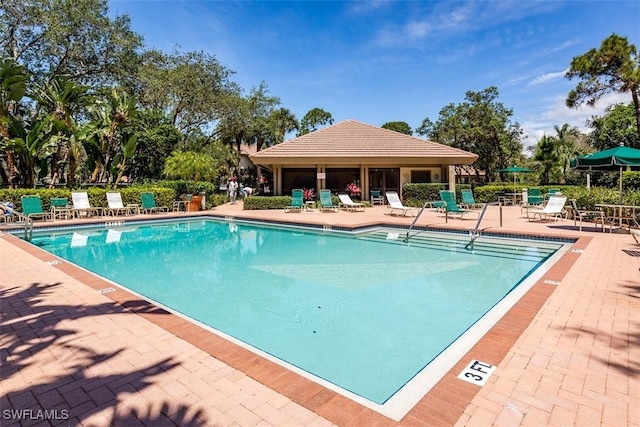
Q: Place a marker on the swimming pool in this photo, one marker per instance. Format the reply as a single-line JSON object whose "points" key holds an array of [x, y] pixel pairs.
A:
{"points": [[364, 312]]}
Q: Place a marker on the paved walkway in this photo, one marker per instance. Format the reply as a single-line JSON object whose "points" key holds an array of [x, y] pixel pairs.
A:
{"points": [[75, 356]]}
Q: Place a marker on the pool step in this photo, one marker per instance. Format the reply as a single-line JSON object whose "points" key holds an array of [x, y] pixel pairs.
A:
{"points": [[441, 241]]}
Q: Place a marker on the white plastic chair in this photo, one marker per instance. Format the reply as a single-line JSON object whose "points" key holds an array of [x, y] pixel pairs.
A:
{"points": [[396, 204], [554, 208], [348, 204]]}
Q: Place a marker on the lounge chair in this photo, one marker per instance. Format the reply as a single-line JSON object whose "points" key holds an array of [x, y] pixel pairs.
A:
{"points": [[396, 205], [449, 197], [635, 234], [81, 205], [468, 201], [297, 201], [149, 204], [116, 207], [554, 208], [326, 202], [32, 208], [586, 215], [376, 197], [347, 204]]}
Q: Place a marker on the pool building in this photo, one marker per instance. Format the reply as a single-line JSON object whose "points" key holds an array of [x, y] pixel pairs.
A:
{"points": [[353, 152]]}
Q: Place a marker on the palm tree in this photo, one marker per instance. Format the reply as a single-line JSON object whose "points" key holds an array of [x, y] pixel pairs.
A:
{"points": [[13, 86], [111, 146], [547, 156], [285, 121], [189, 165], [61, 99]]}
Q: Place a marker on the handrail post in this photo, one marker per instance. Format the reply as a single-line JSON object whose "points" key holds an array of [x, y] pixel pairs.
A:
{"points": [[406, 239]]}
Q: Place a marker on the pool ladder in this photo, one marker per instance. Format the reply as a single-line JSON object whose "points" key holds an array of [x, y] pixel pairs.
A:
{"points": [[24, 222], [473, 234], [476, 233]]}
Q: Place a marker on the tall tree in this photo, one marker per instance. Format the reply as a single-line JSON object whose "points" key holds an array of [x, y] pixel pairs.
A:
{"points": [[192, 88], [112, 146], [401, 127], [314, 118], [614, 67], [616, 126], [546, 155], [481, 125], [569, 144], [157, 138], [62, 99], [74, 38], [285, 121], [13, 86]]}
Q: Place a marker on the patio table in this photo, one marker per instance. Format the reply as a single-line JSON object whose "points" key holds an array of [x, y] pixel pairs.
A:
{"points": [[620, 213], [513, 196]]}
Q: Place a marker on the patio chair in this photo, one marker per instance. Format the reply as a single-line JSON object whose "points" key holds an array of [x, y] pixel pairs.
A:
{"points": [[635, 234], [149, 204], [349, 205], [376, 197], [551, 192], [534, 197], [297, 201], [81, 205], [449, 197], [326, 201], [468, 201], [116, 207], [60, 208], [586, 215], [32, 208], [396, 205], [554, 208]]}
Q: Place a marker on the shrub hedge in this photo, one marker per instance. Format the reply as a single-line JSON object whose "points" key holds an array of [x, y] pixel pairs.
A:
{"points": [[97, 196], [417, 194]]}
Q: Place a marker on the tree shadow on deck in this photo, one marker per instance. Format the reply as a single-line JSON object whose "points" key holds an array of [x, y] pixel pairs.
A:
{"points": [[627, 342], [46, 367]]}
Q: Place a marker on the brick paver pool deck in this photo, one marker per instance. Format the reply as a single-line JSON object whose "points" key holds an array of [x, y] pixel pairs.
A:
{"points": [[566, 354]]}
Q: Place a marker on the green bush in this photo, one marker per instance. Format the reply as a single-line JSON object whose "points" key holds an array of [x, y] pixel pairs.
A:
{"points": [[266, 202], [97, 196]]}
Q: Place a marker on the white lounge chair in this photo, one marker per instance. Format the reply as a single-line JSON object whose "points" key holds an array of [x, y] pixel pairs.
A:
{"points": [[347, 204], [554, 208], [116, 207], [81, 205], [396, 205]]}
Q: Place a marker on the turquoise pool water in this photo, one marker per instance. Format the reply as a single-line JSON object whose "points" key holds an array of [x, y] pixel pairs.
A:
{"points": [[365, 313]]}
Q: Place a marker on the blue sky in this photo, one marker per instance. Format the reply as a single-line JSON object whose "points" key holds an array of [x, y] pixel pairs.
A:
{"points": [[379, 61]]}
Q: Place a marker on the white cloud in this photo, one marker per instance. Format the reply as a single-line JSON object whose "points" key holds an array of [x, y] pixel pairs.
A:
{"points": [[547, 77], [557, 113], [457, 19]]}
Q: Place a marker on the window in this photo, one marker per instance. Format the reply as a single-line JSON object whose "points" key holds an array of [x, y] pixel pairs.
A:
{"points": [[420, 177]]}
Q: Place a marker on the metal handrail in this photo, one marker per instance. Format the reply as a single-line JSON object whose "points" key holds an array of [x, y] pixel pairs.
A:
{"points": [[406, 238], [475, 234], [23, 221]]}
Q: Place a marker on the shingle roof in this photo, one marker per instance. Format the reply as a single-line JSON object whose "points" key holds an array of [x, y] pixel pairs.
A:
{"points": [[351, 139]]}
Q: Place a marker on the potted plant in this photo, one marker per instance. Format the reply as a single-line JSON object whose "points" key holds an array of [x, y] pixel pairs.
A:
{"points": [[353, 190]]}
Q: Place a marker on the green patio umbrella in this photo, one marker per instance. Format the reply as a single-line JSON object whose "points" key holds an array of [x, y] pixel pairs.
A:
{"points": [[613, 159], [515, 170]]}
